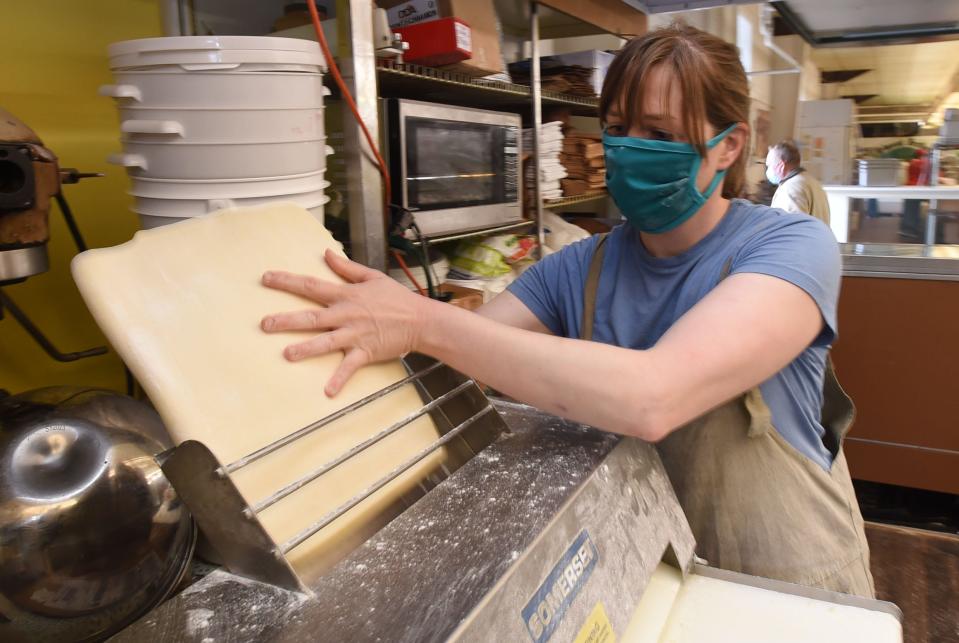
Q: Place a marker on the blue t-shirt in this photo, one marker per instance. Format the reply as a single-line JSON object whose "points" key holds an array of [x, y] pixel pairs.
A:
{"points": [[641, 296]]}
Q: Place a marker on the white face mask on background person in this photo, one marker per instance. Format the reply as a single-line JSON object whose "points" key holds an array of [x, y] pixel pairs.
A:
{"points": [[775, 169], [771, 176]]}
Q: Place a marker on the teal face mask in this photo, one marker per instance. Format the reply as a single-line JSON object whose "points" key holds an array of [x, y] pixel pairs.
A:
{"points": [[653, 183]]}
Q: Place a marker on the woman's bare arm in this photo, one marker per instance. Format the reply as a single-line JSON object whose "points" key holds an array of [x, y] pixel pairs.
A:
{"points": [[746, 330]]}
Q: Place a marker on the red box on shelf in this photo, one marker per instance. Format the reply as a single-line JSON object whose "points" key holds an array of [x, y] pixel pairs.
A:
{"points": [[445, 41]]}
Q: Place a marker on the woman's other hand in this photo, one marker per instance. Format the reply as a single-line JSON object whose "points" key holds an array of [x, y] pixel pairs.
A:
{"points": [[371, 318]]}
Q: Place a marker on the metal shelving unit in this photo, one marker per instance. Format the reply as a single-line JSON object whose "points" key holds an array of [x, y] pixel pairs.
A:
{"points": [[369, 79], [509, 227], [565, 201], [399, 79]]}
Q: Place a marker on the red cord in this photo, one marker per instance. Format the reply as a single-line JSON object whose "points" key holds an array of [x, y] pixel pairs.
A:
{"points": [[344, 92], [406, 271]]}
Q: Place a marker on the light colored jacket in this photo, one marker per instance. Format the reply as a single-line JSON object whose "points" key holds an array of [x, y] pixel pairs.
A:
{"points": [[802, 192]]}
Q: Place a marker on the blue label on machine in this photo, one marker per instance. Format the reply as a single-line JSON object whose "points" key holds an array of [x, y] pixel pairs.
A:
{"points": [[546, 608]]}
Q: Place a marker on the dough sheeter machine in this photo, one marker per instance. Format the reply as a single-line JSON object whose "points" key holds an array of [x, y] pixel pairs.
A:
{"points": [[527, 527], [555, 531]]}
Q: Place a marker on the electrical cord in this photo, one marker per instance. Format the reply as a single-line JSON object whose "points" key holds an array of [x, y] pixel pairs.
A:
{"points": [[431, 277], [403, 220], [406, 271]]}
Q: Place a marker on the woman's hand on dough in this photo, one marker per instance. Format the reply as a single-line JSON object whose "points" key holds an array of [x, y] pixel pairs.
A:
{"points": [[371, 318]]}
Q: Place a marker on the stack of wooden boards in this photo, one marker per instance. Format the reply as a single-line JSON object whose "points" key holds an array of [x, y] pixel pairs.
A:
{"points": [[565, 79], [582, 156]]}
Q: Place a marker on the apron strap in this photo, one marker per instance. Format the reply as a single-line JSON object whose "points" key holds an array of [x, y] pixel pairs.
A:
{"points": [[838, 410], [592, 287]]}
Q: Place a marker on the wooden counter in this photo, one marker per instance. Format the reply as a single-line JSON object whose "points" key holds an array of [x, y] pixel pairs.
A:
{"points": [[898, 358]]}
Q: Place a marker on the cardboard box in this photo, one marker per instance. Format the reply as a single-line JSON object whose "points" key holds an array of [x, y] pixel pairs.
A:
{"points": [[479, 15], [467, 298], [444, 41], [614, 16]]}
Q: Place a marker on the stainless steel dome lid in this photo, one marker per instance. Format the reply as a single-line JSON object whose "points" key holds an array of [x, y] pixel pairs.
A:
{"points": [[92, 535]]}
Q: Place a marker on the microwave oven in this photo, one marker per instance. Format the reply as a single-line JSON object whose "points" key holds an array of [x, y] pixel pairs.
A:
{"points": [[456, 169]]}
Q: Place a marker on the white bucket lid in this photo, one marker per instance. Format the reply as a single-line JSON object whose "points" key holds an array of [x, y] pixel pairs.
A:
{"points": [[149, 221], [191, 208], [205, 50], [228, 189]]}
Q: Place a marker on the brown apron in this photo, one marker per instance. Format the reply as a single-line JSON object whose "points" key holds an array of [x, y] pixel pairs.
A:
{"points": [[756, 504]]}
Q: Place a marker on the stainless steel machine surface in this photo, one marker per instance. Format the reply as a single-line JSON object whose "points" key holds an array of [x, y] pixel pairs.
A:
{"points": [[91, 533], [901, 261], [551, 532]]}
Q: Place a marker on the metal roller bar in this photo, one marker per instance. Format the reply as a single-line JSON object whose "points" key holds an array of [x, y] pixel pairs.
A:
{"points": [[359, 448], [382, 482], [296, 435]]}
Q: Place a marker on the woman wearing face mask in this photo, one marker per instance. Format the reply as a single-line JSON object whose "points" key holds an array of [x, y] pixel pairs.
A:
{"points": [[702, 324]]}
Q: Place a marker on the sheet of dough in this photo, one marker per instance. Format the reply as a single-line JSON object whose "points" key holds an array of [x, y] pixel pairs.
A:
{"points": [[719, 611], [700, 608], [652, 612], [182, 304]]}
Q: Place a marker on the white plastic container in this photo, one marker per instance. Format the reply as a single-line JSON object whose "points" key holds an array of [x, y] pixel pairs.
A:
{"points": [[199, 112], [218, 50], [271, 186], [221, 160], [882, 172], [217, 90], [221, 125], [185, 208]]}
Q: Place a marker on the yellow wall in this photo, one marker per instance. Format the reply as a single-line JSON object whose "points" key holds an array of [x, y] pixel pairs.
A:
{"points": [[52, 59]]}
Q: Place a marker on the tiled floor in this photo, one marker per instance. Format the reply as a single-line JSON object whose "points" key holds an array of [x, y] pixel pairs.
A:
{"points": [[918, 570]]}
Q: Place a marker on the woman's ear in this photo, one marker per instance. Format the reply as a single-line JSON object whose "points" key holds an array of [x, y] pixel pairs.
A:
{"points": [[733, 146]]}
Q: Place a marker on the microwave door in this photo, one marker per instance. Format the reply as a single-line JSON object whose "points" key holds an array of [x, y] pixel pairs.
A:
{"points": [[454, 164]]}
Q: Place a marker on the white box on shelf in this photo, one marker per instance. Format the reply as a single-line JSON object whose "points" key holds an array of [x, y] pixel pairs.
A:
{"points": [[595, 59]]}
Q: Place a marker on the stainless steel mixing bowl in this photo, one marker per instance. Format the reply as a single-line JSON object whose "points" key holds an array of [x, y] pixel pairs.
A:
{"points": [[92, 535]]}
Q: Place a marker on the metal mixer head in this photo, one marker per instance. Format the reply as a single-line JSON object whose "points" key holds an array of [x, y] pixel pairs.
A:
{"points": [[92, 535], [29, 178]]}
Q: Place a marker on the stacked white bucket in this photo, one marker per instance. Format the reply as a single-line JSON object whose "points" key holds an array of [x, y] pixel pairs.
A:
{"points": [[210, 122]]}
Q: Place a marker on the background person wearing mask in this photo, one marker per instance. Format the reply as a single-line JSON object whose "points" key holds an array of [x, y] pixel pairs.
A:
{"points": [[798, 190]]}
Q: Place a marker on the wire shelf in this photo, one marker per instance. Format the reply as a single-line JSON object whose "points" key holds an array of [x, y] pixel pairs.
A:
{"points": [[575, 200], [403, 79]]}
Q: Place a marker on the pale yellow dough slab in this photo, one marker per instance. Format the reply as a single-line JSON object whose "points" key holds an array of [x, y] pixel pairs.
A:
{"points": [[182, 305], [710, 609], [700, 608], [652, 612]]}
